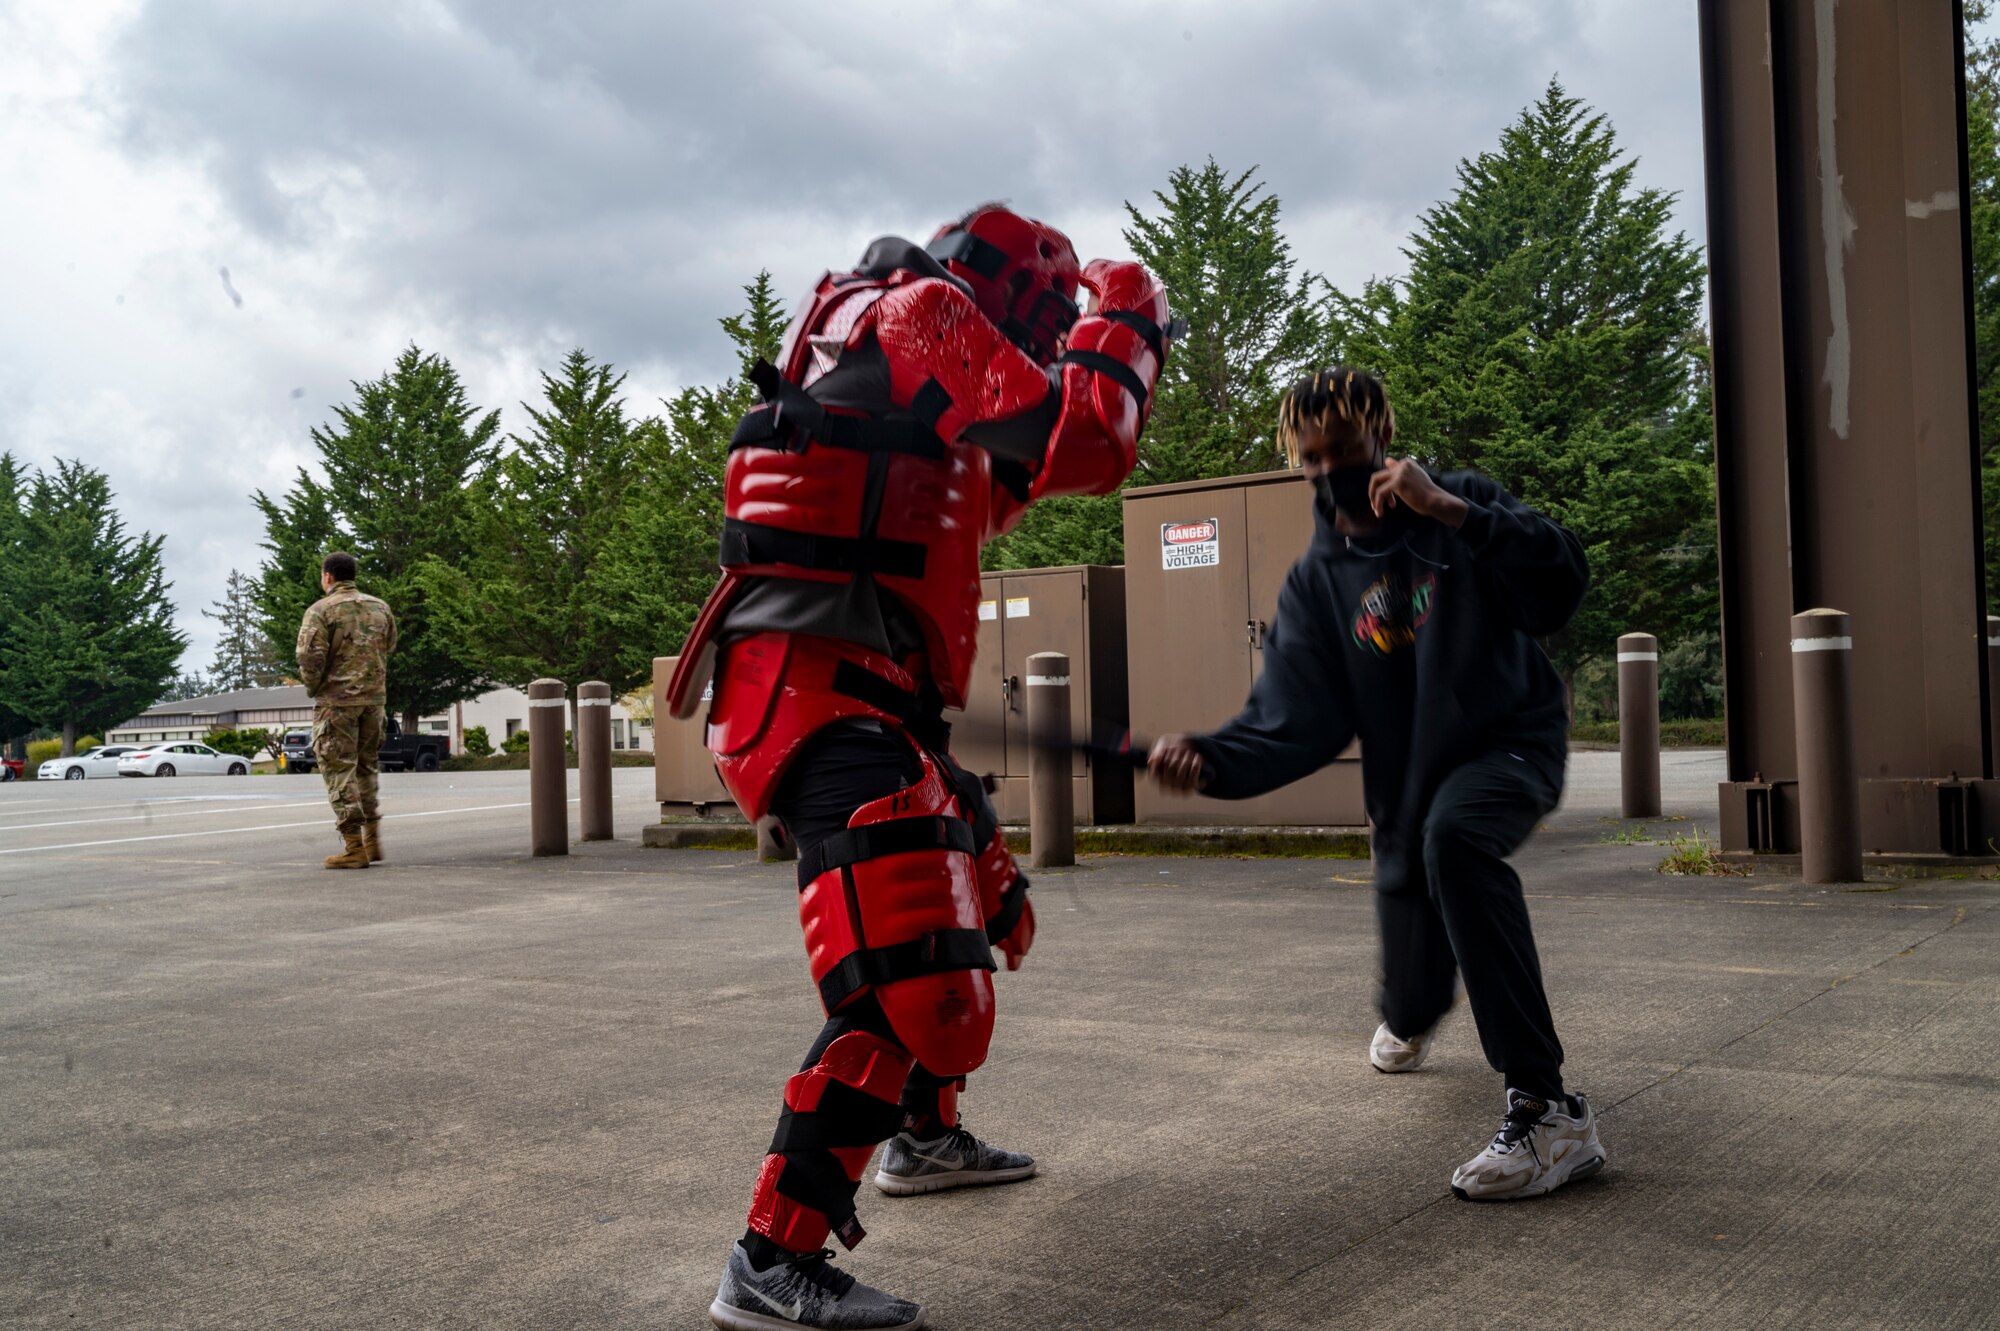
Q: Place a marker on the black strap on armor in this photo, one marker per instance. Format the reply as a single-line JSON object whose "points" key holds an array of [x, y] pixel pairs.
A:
{"points": [[1145, 328], [845, 1117], [898, 836], [1111, 368], [746, 543], [934, 953], [926, 724], [789, 415], [817, 1180], [929, 404], [981, 256], [1012, 902], [1014, 478]]}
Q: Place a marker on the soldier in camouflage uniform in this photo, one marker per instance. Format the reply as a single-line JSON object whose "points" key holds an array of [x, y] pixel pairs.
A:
{"points": [[344, 646]]}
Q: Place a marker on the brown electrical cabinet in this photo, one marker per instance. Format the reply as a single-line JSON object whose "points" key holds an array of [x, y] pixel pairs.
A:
{"points": [[1079, 611], [684, 779], [1204, 561]]}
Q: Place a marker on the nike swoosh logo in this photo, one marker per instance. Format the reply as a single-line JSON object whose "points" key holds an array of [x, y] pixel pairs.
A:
{"points": [[942, 1161], [790, 1312]]}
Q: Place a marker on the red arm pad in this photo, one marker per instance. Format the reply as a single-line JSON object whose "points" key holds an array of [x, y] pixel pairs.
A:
{"points": [[948, 364], [1108, 374]]}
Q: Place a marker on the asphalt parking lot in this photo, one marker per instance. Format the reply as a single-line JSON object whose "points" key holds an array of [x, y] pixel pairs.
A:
{"points": [[471, 1089]]}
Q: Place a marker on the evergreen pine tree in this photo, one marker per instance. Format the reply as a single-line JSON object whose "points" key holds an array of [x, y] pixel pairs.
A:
{"points": [[14, 725], [662, 564], [89, 639], [244, 657], [529, 602], [397, 462], [1549, 335]]}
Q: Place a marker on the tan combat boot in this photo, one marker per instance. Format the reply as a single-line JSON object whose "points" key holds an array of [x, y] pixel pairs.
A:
{"points": [[371, 836], [355, 856]]}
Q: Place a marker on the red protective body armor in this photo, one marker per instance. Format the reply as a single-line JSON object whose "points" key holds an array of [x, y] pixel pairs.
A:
{"points": [[803, 506]]}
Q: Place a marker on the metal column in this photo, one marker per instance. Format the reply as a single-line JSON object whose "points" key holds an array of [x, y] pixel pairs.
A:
{"points": [[1846, 455]]}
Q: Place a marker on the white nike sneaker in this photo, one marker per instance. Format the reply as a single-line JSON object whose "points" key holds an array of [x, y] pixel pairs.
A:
{"points": [[956, 1160], [1539, 1148], [1389, 1054], [805, 1292]]}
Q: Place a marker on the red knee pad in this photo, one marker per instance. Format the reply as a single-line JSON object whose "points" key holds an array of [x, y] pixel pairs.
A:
{"points": [[892, 904]]}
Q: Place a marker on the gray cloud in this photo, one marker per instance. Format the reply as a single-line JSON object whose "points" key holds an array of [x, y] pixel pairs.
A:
{"points": [[503, 180]]}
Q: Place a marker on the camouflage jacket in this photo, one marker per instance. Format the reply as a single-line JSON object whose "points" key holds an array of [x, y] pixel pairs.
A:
{"points": [[344, 646]]}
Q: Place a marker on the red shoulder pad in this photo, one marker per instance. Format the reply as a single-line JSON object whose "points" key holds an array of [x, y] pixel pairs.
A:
{"points": [[948, 364]]}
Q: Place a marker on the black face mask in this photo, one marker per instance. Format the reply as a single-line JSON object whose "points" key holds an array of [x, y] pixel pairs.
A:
{"points": [[1346, 488]]}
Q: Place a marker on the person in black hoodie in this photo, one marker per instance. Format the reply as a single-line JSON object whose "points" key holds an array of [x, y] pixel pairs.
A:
{"points": [[1411, 622]]}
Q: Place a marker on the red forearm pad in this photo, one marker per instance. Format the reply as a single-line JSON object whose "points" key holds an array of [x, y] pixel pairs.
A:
{"points": [[948, 364]]}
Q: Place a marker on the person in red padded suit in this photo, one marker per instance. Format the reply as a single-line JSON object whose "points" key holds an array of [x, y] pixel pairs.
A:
{"points": [[923, 401]]}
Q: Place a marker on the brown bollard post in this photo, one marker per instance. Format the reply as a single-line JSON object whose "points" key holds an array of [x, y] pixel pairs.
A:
{"points": [[1051, 790], [593, 760], [548, 783], [1993, 685], [1829, 784], [1639, 725]]}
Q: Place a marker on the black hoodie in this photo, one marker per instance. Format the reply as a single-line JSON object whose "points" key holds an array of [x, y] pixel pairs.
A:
{"points": [[1420, 640]]}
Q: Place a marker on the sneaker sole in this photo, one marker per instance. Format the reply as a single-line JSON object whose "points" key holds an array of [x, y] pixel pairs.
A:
{"points": [[1407, 1067], [902, 1185], [1541, 1187], [742, 1319]]}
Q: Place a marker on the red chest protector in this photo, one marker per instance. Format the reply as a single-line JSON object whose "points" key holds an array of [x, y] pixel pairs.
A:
{"points": [[819, 495]]}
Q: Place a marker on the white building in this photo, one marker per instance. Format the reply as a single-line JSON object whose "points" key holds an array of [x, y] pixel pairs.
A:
{"points": [[502, 712]]}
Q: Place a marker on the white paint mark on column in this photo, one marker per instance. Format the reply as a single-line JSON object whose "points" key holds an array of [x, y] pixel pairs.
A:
{"points": [[1836, 222], [1944, 201]]}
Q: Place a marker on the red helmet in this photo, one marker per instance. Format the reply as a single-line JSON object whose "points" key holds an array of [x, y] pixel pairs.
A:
{"points": [[1022, 272]]}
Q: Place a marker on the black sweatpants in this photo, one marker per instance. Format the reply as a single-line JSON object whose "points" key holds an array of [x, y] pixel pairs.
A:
{"points": [[1460, 911]]}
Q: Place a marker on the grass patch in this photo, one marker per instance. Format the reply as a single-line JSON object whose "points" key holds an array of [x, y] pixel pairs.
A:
{"points": [[1698, 856], [1698, 734], [1636, 835]]}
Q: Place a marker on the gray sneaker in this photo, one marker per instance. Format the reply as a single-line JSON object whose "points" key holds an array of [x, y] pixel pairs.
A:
{"points": [[804, 1292], [956, 1160]]}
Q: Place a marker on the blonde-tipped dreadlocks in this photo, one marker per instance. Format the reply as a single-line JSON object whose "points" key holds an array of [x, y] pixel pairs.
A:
{"points": [[1339, 393]]}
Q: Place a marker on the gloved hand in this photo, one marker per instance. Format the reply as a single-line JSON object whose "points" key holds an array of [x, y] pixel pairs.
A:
{"points": [[1015, 945]]}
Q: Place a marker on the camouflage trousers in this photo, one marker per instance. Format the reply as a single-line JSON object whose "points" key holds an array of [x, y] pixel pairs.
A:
{"points": [[346, 741]]}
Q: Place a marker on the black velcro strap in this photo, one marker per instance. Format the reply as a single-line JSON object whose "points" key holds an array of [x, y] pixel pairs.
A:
{"points": [[898, 836], [981, 256], [1012, 902], [820, 1182], [930, 404], [1145, 328], [758, 429], [865, 685], [769, 381], [1014, 478], [933, 954], [748, 543], [845, 1117], [1111, 368]]}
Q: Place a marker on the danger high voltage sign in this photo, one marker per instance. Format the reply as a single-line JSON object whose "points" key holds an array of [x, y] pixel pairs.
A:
{"points": [[1190, 544]]}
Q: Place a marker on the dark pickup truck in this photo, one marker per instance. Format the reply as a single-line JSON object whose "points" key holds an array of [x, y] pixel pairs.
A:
{"points": [[399, 751], [405, 752]]}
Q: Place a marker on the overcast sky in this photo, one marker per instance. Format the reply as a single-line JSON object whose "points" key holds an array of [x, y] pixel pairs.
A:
{"points": [[500, 181]]}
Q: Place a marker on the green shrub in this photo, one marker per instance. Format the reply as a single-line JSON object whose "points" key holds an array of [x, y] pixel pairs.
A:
{"points": [[515, 743], [40, 751], [242, 743], [477, 744]]}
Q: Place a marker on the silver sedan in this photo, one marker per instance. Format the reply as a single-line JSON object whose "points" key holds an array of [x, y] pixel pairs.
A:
{"points": [[84, 766]]}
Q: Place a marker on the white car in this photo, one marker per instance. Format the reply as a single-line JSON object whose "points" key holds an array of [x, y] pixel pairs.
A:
{"points": [[84, 766], [181, 758]]}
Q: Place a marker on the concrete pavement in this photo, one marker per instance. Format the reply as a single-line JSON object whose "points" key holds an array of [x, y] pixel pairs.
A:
{"points": [[471, 1089]]}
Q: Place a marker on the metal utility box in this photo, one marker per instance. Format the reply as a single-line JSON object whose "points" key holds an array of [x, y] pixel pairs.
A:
{"points": [[1079, 611], [684, 779], [1204, 561]]}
